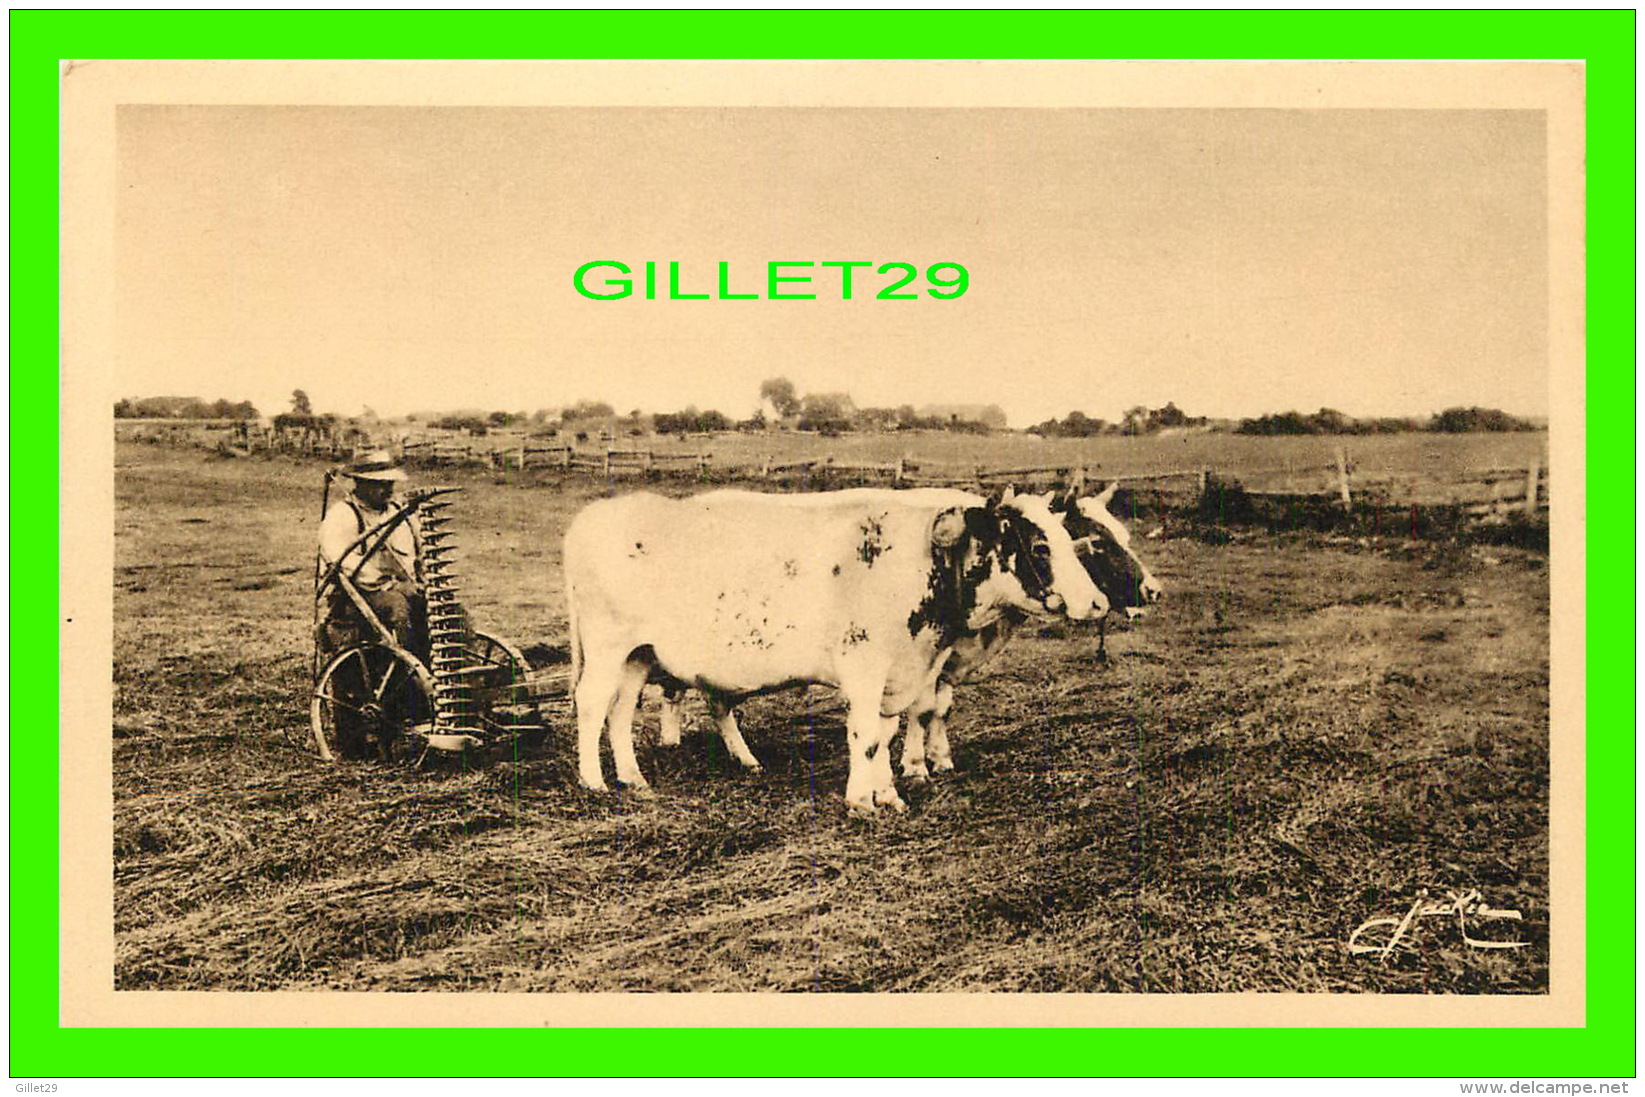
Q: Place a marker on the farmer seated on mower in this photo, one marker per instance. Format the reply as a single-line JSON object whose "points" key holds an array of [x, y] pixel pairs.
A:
{"points": [[390, 579]]}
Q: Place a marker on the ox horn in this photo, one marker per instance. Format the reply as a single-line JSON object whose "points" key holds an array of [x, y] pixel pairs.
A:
{"points": [[948, 528], [1108, 492]]}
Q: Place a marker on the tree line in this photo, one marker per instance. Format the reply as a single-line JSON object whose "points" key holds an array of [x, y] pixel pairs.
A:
{"points": [[1144, 420], [1469, 420], [183, 407], [834, 413]]}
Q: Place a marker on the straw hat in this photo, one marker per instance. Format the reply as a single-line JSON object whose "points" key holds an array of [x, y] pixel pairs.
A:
{"points": [[377, 465]]}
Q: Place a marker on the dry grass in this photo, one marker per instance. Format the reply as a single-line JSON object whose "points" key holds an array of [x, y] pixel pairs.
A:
{"points": [[1307, 730]]}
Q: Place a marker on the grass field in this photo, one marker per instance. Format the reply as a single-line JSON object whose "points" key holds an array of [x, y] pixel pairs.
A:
{"points": [[1304, 732], [1406, 468], [1434, 457]]}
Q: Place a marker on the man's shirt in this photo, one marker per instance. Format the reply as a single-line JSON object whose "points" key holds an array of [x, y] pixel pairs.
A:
{"points": [[345, 520]]}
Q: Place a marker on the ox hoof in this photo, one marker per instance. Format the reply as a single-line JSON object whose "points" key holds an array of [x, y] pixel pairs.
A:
{"points": [[593, 786], [639, 790], [944, 766], [915, 775], [891, 800], [753, 767]]}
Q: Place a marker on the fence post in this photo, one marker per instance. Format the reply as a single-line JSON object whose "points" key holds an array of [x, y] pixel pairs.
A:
{"points": [[1342, 480], [1532, 476], [896, 473], [650, 461], [702, 463], [608, 462], [565, 456], [765, 468]]}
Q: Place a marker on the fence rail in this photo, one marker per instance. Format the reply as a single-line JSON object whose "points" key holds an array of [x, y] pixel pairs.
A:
{"points": [[1484, 493]]}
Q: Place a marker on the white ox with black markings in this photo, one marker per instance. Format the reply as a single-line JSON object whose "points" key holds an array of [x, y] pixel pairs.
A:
{"points": [[1103, 544], [737, 593]]}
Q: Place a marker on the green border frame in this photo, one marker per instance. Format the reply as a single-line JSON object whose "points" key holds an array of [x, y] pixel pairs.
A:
{"points": [[1604, 39]]}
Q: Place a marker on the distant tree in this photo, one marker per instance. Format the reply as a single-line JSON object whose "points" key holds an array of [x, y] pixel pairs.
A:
{"points": [[1076, 424], [183, 407], [1168, 416], [779, 393], [588, 409], [473, 424], [229, 409], [827, 412], [1288, 422], [690, 421], [875, 419], [300, 404], [1470, 420]]}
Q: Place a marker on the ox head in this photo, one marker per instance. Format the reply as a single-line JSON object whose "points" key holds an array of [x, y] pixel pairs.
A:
{"points": [[1013, 552], [1104, 547]]}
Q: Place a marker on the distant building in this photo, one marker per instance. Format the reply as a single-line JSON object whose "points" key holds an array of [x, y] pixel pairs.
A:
{"points": [[990, 415]]}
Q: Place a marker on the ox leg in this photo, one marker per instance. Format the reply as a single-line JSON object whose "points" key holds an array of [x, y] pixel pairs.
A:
{"points": [[629, 683], [668, 717], [869, 783], [936, 739], [726, 718], [881, 758], [913, 740], [601, 673]]}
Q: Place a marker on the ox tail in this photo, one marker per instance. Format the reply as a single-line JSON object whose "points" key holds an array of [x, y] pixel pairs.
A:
{"points": [[574, 644]]}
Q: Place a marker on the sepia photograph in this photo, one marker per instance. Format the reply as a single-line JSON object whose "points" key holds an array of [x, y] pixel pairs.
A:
{"points": [[1017, 543]]}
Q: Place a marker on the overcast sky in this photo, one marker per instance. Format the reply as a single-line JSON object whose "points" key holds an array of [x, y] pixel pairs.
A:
{"points": [[1381, 262]]}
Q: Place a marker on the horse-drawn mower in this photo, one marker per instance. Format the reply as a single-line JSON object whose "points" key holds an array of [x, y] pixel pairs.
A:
{"points": [[372, 697]]}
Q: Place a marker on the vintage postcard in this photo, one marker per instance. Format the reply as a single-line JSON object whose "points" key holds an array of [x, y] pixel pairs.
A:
{"points": [[779, 544]]}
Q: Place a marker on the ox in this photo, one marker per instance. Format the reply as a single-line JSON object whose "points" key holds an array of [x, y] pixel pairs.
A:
{"points": [[738, 593], [1104, 547]]}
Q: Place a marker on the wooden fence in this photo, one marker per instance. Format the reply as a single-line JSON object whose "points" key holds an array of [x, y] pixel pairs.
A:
{"points": [[1491, 493], [525, 455], [1484, 493]]}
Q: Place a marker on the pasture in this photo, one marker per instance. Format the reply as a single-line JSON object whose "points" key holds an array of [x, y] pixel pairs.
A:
{"points": [[1306, 730]]}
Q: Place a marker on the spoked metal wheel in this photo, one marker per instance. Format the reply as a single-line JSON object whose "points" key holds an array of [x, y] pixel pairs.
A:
{"points": [[504, 677], [500, 688], [365, 700]]}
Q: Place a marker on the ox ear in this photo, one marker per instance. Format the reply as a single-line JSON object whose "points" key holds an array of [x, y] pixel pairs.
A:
{"points": [[983, 523], [949, 527]]}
